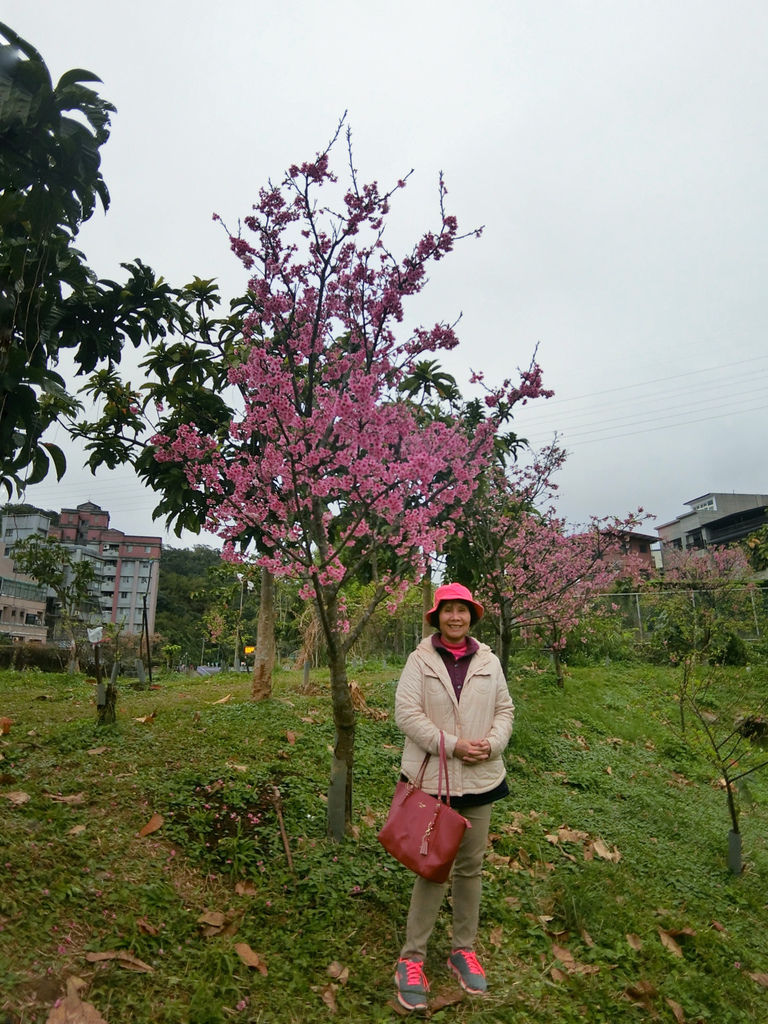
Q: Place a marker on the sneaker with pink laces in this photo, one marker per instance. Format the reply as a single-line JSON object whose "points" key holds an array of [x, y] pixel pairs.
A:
{"points": [[467, 969], [412, 984]]}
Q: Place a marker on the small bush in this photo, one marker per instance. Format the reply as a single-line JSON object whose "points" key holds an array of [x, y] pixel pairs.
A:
{"points": [[46, 657]]}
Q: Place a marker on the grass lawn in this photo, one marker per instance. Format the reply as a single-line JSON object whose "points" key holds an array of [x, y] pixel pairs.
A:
{"points": [[174, 868]]}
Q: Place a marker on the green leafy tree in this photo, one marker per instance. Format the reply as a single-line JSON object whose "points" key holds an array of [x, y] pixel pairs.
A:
{"points": [[230, 607], [50, 299], [55, 565], [186, 377], [756, 547], [182, 598]]}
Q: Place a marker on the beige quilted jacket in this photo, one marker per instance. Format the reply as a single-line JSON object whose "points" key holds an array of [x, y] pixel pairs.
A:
{"points": [[425, 703]]}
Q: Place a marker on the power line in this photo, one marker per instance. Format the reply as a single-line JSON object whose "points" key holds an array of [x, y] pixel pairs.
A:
{"points": [[656, 398], [650, 430], [656, 380], [601, 425]]}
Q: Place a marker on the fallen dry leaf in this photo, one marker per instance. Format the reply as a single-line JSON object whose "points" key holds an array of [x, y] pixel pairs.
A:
{"points": [[73, 800], [569, 962], [717, 926], [250, 958], [496, 936], [214, 922], [96, 750], [448, 997], [565, 956], [155, 822], [5, 726], [642, 994], [76, 830], [291, 737], [338, 972], [146, 719], [677, 1010], [72, 1010], [328, 995], [212, 919], [678, 780], [123, 958], [571, 835], [759, 977], [556, 974], [145, 926], [245, 889], [223, 700], [635, 941], [602, 851], [18, 797], [668, 941]]}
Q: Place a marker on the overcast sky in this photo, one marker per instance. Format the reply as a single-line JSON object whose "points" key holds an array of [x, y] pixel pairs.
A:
{"points": [[615, 152]]}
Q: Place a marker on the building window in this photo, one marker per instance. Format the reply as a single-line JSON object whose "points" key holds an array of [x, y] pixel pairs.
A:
{"points": [[709, 505]]}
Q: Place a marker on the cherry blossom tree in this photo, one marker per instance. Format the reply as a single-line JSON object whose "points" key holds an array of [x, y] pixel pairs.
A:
{"points": [[555, 574], [534, 572], [335, 467]]}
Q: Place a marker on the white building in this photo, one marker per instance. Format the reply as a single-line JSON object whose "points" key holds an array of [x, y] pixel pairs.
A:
{"points": [[718, 517]]}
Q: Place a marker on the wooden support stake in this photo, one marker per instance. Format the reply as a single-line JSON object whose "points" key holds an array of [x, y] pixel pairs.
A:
{"points": [[278, 804]]}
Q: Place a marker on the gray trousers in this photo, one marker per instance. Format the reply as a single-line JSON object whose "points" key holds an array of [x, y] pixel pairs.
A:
{"points": [[466, 887]]}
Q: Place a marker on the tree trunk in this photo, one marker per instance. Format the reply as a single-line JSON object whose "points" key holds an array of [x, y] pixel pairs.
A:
{"points": [[264, 655], [506, 634], [426, 603], [340, 789], [106, 700], [559, 676], [506, 649]]}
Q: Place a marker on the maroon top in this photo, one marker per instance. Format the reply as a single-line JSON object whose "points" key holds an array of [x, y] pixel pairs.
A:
{"points": [[457, 665]]}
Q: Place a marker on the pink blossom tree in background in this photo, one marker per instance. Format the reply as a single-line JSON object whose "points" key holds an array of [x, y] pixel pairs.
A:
{"points": [[336, 469], [535, 574], [554, 575]]}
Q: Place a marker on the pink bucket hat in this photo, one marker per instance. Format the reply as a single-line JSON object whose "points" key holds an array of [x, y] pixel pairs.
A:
{"points": [[454, 592]]}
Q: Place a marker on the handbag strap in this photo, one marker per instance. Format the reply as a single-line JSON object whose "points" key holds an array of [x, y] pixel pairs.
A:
{"points": [[418, 782], [443, 769]]}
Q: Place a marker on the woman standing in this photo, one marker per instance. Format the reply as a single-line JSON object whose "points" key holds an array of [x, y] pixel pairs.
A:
{"points": [[455, 685]]}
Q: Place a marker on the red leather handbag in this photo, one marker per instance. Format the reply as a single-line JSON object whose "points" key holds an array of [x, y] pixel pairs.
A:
{"points": [[422, 831]]}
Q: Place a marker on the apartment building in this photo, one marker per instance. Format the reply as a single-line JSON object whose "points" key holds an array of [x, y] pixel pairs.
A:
{"points": [[22, 606], [126, 566]]}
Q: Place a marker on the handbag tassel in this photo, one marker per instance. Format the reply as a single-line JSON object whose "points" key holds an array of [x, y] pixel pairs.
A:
{"points": [[424, 850]]}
